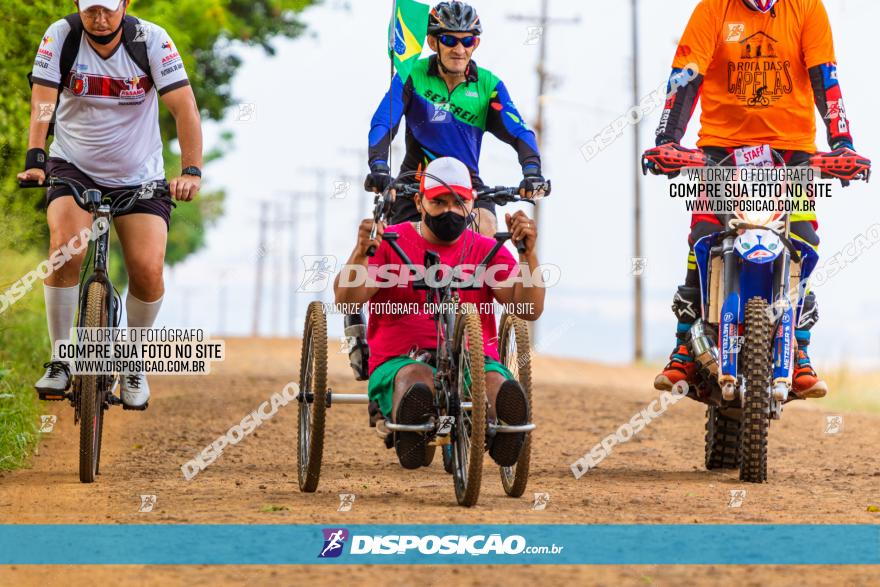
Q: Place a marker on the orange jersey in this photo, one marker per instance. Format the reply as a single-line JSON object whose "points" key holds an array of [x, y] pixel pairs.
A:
{"points": [[756, 88]]}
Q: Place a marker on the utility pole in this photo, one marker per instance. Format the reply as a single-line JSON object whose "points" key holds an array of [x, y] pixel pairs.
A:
{"points": [[544, 21], [638, 268], [292, 260], [221, 304], [261, 258], [275, 248]]}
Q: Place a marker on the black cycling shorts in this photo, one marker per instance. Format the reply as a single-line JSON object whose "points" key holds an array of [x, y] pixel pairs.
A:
{"points": [[58, 167]]}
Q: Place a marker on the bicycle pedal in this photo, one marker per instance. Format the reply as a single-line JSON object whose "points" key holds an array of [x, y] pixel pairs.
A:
{"points": [[53, 396], [135, 408]]}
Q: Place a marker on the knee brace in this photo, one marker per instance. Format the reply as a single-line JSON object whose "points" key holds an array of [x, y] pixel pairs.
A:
{"points": [[686, 304], [809, 312]]}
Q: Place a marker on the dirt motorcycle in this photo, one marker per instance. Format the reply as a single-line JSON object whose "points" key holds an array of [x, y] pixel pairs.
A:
{"points": [[753, 278]]}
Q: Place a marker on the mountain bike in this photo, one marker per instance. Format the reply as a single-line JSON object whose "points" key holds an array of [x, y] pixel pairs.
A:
{"points": [[99, 307]]}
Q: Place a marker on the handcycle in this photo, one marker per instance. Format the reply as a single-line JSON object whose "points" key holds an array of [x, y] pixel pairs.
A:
{"points": [[459, 425], [99, 307], [752, 284]]}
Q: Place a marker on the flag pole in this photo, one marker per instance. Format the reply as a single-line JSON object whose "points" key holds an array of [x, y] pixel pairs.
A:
{"points": [[392, 31]]}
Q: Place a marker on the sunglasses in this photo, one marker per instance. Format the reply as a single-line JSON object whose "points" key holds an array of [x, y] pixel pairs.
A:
{"points": [[451, 41]]}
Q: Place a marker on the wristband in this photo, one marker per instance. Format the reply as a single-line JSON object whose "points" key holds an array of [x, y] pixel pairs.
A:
{"points": [[531, 171], [380, 168], [35, 159], [192, 170]]}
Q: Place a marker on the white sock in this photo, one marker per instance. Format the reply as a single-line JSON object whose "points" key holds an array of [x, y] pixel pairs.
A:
{"points": [[141, 314], [61, 303]]}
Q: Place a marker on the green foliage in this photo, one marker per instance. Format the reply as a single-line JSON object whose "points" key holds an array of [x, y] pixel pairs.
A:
{"points": [[24, 343]]}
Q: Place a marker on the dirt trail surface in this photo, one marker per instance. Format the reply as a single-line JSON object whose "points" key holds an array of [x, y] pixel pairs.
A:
{"points": [[658, 477]]}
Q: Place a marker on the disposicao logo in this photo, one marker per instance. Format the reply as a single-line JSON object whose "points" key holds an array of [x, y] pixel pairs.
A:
{"points": [[334, 540]]}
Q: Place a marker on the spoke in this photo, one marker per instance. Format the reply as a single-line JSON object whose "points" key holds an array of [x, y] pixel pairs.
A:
{"points": [[513, 353]]}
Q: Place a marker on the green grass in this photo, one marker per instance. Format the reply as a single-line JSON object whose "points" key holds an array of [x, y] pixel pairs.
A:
{"points": [[24, 346], [851, 391]]}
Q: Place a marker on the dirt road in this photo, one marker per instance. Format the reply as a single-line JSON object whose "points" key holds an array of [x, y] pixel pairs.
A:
{"points": [[658, 477]]}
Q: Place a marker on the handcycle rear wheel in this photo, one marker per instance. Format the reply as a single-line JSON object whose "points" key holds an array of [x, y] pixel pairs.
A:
{"points": [[469, 431], [92, 389], [513, 343], [312, 398]]}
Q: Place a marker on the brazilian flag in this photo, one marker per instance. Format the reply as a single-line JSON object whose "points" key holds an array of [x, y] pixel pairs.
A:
{"points": [[406, 35]]}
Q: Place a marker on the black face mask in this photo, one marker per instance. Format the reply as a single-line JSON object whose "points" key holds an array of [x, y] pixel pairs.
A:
{"points": [[447, 226], [105, 39]]}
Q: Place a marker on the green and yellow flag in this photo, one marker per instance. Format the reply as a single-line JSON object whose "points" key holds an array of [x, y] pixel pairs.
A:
{"points": [[406, 35]]}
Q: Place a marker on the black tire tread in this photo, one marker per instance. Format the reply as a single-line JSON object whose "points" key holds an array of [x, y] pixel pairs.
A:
{"points": [[314, 337], [517, 478], [91, 412], [756, 406], [722, 440], [468, 323]]}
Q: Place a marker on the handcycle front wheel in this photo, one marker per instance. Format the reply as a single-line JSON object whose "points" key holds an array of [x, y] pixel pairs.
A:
{"points": [[514, 347], [312, 398], [92, 390], [469, 431]]}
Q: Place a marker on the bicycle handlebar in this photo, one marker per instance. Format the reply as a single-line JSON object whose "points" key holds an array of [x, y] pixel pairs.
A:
{"points": [[501, 195], [147, 191]]}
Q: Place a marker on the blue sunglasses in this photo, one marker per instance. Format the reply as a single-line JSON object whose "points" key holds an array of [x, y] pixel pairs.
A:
{"points": [[451, 41]]}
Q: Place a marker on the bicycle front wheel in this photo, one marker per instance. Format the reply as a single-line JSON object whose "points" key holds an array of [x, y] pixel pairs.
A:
{"points": [[469, 437], [92, 389]]}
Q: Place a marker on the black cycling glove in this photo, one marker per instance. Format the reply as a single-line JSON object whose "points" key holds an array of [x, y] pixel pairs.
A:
{"points": [[533, 180], [378, 179]]}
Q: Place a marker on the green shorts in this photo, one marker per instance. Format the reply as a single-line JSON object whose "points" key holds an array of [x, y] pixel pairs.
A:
{"points": [[381, 385]]}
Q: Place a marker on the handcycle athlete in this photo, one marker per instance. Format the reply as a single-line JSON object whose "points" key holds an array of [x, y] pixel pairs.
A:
{"points": [[401, 378]]}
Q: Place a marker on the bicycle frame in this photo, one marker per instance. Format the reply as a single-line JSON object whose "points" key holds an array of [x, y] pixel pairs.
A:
{"points": [[100, 214], [447, 304]]}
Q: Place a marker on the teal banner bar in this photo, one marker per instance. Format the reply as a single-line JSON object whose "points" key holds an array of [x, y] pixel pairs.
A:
{"points": [[268, 544]]}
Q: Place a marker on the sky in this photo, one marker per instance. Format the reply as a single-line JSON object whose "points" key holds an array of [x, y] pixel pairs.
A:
{"points": [[309, 107]]}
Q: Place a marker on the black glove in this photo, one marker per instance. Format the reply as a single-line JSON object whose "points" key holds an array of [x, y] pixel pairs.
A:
{"points": [[533, 181], [378, 179]]}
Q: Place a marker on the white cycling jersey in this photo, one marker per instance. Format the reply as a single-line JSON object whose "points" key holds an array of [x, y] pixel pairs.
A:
{"points": [[107, 122]]}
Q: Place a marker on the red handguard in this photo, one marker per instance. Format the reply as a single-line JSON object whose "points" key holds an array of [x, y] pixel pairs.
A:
{"points": [[843, 164], [672, 158]]}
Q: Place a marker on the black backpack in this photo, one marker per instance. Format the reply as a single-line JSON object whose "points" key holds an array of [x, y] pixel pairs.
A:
{"points": [[132, 39]]}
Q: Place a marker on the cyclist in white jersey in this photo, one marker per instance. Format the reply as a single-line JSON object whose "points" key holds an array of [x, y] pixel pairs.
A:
{"points": [[107, 137]]}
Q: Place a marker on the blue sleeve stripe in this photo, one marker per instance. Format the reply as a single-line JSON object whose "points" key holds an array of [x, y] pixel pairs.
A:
{"points": [[390, 107], [829, 75]]}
